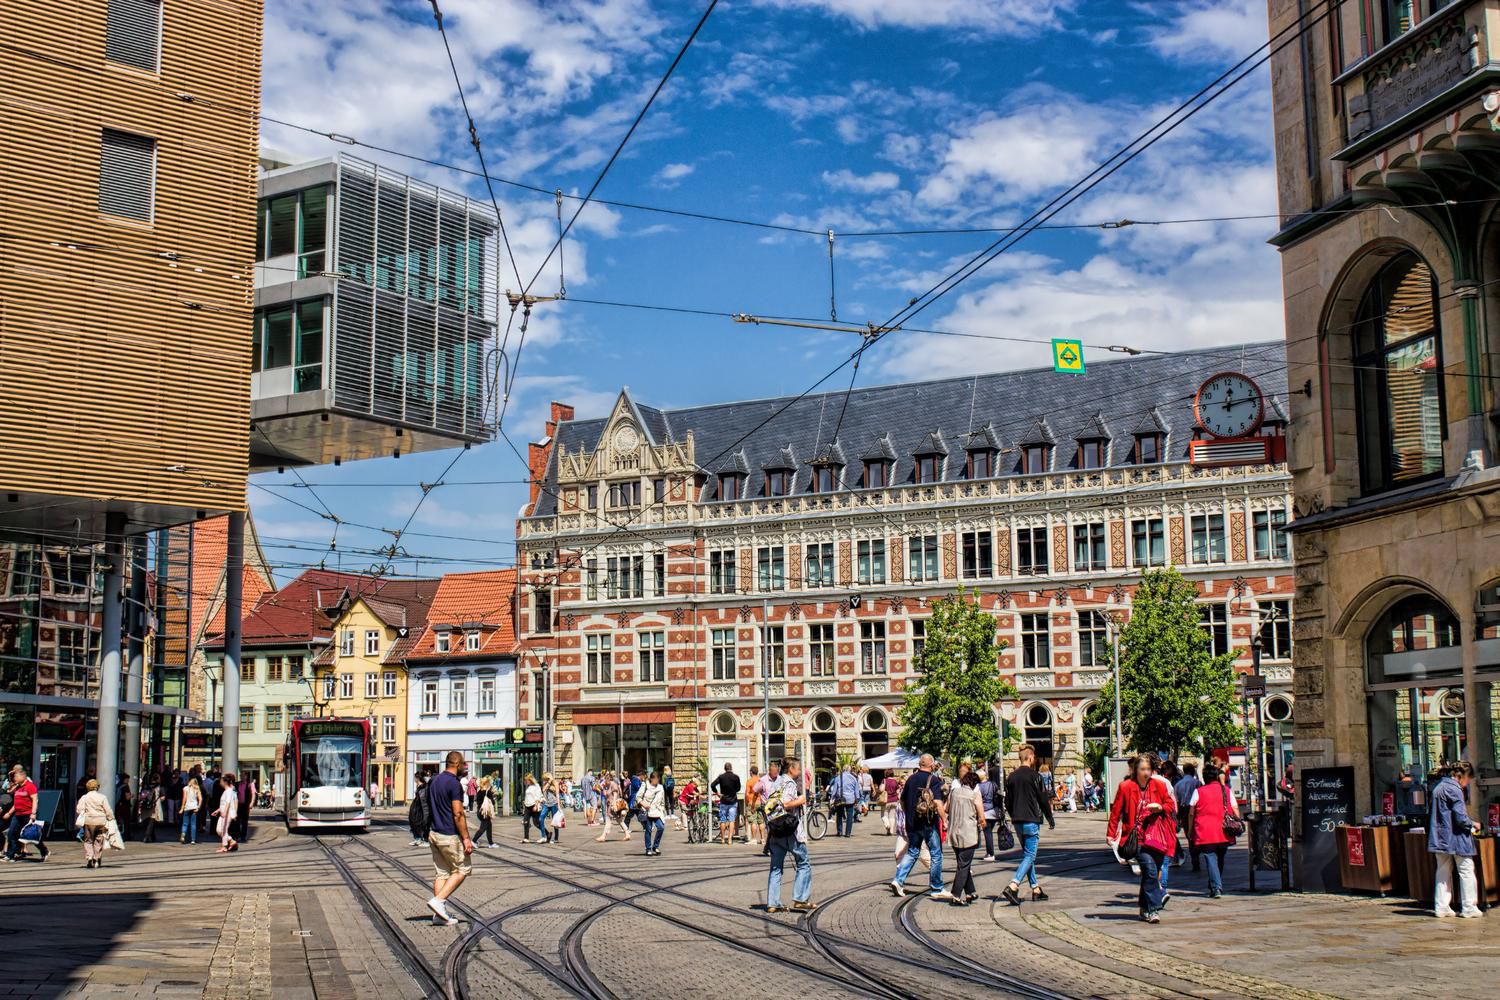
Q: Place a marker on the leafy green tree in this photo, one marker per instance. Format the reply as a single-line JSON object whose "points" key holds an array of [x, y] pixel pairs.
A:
{"points": [[1175, 695], [949, 708]]}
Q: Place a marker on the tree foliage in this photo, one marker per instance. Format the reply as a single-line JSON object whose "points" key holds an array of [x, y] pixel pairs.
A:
{"points": [[1175, 695], [949, 708]]}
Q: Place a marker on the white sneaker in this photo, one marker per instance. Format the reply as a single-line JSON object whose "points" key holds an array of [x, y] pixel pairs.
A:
{"points": [[897, 889], [988, 857], [439, 909], [945, 894], [1472, 914], [438, 921]]}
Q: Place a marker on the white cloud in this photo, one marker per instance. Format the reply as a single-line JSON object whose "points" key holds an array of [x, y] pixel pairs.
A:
{"points": [[847, 180], [999, 17], [672, 175], [849, 128], [1208, 30], [1018, 155]]}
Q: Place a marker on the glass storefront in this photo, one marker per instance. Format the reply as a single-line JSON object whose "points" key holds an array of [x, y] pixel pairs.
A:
{"points": [[646, 747]]}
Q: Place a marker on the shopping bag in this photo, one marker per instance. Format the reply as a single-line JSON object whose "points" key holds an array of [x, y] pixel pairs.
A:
{"points": [[558, 821], [112, 835], [31, 833]]}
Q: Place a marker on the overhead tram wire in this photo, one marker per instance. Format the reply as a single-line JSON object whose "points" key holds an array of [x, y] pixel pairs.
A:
{"points": [[593, 189], [1127, 153]]}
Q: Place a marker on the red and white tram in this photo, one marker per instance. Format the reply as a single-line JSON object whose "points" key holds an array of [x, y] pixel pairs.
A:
{"points": [[326, 761]]}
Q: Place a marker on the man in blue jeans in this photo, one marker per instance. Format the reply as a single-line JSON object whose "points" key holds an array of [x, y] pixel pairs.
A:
{"points": [[785, 797], [1027, 801], [843, 793], [923, 827]]}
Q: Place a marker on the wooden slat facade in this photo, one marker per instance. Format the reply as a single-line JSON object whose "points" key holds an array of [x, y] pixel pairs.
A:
{"points": [[116, 361]]}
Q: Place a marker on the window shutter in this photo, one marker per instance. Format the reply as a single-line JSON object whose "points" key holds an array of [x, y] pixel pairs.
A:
{"points": [[133, 33], [127, 169]]}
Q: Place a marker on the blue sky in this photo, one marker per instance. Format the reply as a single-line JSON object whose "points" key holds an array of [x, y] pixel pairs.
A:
{"points": [[853, 115]]}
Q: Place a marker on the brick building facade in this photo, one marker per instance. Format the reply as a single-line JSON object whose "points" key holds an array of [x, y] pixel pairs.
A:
{"points": [[669, 558]]}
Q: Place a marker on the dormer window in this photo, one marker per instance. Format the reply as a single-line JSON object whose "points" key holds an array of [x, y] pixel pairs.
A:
{"points": [[929, 468], [443, 643], [1035, 458], [981, 463], [1093, 453], [877, 475], [731, 486], [825, 478], [1147, 449], [778, 482]]}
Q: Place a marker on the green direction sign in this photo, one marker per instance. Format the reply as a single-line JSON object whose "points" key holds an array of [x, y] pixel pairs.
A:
{"points": [[1067, 357]]}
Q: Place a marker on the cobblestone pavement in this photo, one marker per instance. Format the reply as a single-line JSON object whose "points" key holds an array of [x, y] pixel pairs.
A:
{"points": [[297, 917]]}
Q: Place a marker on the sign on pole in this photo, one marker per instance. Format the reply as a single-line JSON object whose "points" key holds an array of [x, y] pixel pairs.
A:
{"points": [[1067, 357]]}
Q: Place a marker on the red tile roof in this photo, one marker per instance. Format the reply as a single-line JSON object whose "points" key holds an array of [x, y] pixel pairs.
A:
{"points": [[303, 610], [471, 601]]}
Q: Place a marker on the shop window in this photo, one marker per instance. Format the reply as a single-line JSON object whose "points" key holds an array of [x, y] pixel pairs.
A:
{"points": [[1399, 381], [1415, 640]]}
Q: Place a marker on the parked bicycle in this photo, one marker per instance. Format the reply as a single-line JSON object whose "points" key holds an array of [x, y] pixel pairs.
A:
{"points": [[817, 821], [700, 828]]}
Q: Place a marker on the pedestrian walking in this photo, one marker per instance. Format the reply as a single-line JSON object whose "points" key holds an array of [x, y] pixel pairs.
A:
{"points": [[531, 809], [786, 827], [229, 804], [552, 815], [418, 818], [727, 786], [615, 807], [923, 804], [472, 787], [1450, 839], [652, 803], [486, 811], [1144, 817], [669, 788], [588, 784], [892, 807], [1029, 805], [755, 789], [866, 792], [1183, 791], [993, 806], [21, 814], [965, 820], [92, 816], [152, 797], [843, 793], [449, 837], [192, 801], [1213, 819]]}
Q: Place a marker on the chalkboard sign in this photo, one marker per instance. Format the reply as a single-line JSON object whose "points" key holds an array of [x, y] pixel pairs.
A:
{"points": [[1327, 798]]}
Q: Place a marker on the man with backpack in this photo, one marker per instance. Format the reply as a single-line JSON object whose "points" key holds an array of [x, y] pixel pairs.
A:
{"points": [[923, 802], [417, 815], [843, 793], [786, 833]]}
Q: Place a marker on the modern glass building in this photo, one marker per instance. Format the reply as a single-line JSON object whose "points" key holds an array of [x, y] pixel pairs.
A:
{"points": [[375, 306]]}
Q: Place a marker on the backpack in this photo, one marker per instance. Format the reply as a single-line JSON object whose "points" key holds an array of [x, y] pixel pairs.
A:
{"points": [[927, 807], [781, 821]]}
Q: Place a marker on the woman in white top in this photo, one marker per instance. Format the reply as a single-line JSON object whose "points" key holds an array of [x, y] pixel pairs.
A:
{"points": [[652, 802], [93, 816], [192, 801], [531, 809], [229, 809]]}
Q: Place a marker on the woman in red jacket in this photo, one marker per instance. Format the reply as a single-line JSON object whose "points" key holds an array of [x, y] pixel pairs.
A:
{"points": [[1205, 821], [1145, 805]]}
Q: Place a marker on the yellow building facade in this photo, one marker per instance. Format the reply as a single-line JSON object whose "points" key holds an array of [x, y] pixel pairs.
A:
{"points": [[361, 672]]}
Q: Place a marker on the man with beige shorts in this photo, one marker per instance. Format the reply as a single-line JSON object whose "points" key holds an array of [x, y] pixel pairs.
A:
{"points": [[448, 837]]}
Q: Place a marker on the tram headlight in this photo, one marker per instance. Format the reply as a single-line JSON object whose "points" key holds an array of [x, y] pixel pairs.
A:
{"points": [[306, 798]]}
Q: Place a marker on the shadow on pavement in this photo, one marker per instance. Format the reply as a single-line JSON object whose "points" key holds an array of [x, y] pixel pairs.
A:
{"points": [[44, 941]]}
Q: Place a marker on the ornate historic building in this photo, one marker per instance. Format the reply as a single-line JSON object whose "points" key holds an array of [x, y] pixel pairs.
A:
{"points": [[670, 559], [1386, 118]]}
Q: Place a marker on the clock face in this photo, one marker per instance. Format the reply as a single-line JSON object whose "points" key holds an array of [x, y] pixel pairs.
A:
{"points": [[1229, 405]]}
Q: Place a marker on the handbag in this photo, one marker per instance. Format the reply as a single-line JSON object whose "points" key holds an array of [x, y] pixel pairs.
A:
{"points": [[1130, 847], [1233, 826], [1004, 839], [31, 833]]}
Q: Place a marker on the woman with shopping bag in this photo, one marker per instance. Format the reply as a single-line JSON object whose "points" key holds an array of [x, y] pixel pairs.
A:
{"points": [[1143, 829], [93, 817]]}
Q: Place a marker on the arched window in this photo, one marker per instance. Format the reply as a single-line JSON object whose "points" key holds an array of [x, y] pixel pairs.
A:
{"points": [[874, 739], [1416, 639], [776, 735], [723, 725], [1398, 368], [1037, 723]]}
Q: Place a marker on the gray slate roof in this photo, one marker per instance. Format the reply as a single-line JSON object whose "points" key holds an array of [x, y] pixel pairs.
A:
{"points": [[1152, 393]]}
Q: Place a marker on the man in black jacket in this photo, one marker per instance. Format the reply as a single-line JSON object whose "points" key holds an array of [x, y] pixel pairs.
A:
{"points": [[1028, 803]]}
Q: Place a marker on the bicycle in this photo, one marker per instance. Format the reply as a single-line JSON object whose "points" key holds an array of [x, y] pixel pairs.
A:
{"points": [[699, 829], [817, 821]]}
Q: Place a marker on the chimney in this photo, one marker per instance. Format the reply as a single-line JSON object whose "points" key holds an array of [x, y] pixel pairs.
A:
{"points": [[539, 453]]}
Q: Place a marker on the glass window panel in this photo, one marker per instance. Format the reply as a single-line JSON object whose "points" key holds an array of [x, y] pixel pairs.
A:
{"points": [[314, 219], [278, 339], [282, 226]]}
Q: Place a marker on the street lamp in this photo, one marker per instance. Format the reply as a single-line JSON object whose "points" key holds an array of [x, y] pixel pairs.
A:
{"points": [[1114, 618], [545, 678]]}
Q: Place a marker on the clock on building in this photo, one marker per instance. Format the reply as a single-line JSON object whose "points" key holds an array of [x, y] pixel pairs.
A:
{"points": [[1229, 405]]}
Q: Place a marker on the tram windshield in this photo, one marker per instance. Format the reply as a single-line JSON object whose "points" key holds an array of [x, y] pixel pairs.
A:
{"points": [[332, 762]]}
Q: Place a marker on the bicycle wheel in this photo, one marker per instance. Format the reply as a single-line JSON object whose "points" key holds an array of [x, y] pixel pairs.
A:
{"points": [[817, 825]]}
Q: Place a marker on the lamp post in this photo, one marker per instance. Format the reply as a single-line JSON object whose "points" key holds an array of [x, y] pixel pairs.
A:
{"points": [[765, 681], [1113, 618], [545, 677]]}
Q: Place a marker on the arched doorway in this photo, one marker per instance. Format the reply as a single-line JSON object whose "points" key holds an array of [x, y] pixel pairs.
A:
{"points": [[1413, 676], [1036, 722], [824, 745]]}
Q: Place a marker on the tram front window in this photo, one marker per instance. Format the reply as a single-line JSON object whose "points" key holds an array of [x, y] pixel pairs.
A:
{"points": [[332, 762]]}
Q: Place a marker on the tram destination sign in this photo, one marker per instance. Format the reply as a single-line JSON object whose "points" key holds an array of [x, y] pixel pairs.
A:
{"points": [[331, 728]]}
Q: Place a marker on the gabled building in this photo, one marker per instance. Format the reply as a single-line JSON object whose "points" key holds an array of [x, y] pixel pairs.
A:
{"points": [[280, 637], [461, 670], [363, 671], [682, 568]]}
